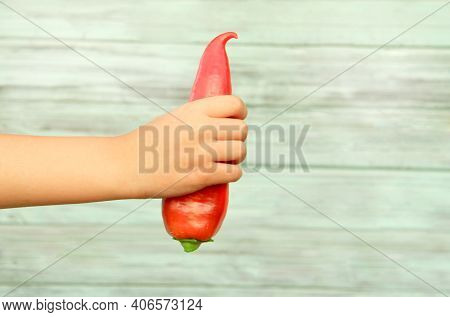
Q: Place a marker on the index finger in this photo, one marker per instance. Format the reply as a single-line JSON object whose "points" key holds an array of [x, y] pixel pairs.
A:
{"points": [[224, 107]]}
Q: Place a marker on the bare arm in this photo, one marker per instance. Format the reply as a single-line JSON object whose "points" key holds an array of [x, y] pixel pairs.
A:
{"points": [[60, 170]]}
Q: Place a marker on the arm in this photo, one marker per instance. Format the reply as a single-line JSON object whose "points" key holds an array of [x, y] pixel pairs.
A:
{"points": [[38, 170], [60, 170]]}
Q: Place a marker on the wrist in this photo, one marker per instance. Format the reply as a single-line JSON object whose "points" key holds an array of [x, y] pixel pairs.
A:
{"points": [[132, 184]]}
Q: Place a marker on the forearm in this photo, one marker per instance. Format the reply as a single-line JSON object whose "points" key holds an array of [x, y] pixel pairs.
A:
{"points": [[63, 170]]}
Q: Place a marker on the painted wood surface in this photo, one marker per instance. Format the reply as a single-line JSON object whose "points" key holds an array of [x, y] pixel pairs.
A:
{"points": [[378, 147]]}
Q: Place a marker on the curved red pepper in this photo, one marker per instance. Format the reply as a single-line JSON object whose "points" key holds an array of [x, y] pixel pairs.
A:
{"points": [[196, 218]]}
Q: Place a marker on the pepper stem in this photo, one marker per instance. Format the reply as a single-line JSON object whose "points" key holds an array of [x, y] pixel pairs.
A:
{"points": [[190, 245]]}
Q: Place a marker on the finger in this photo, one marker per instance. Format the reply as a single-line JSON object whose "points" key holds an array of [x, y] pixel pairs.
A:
{"points": [[220, 173], [230, 129], [228, 151], [224, 107]]}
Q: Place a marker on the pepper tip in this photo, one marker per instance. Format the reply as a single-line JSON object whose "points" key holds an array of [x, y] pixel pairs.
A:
{"points": [[234, 35], [227, 36]]}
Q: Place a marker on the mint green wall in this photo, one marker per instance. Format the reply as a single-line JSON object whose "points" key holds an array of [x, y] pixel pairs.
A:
{"points": [[378, 148]]}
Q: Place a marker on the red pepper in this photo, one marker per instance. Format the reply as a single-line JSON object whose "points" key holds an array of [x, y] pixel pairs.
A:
{"points": [[196, 218]]}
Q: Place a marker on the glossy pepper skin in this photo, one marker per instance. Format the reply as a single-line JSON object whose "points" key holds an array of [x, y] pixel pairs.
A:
{"points": [[195, 218]]}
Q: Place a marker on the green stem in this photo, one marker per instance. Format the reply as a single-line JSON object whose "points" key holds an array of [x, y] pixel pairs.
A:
{"points": [[190, 245]]}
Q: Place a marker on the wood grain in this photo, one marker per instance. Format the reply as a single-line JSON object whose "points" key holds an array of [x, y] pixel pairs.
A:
{"points": [[258, 22], [298, 262], [378, 147]]}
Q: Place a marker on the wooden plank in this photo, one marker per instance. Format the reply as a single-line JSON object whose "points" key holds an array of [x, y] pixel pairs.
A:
{"points": [[145, 290], [361, 200], [268, 22], [293, 260], [387, 112], [378, 145]]}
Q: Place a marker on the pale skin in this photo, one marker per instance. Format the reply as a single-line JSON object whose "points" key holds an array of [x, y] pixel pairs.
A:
{"points": [[38, 170]]}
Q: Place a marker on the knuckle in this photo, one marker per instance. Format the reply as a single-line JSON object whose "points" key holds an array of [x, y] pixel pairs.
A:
{"points": [[237, 101], [239, 104], [237, 173], [239, 146], [199, 106], [244, 129], [243, 150]]}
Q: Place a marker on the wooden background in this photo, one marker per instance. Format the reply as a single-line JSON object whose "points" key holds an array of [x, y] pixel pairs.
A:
{"points": [[378, 148]]}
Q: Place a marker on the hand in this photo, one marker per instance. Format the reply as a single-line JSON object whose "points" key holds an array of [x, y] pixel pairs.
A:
{"points": [[197, 145]]}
